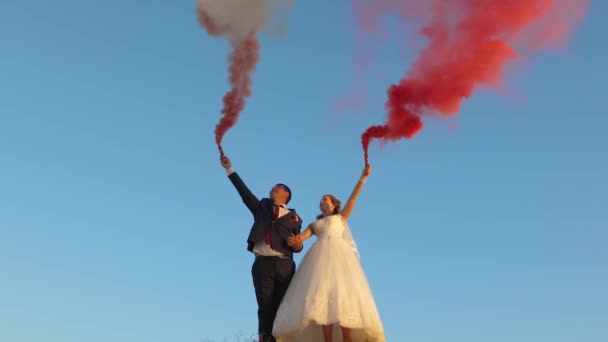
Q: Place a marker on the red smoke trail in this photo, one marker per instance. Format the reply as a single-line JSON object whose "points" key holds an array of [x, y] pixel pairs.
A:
{"points": [[470, 42], [243, 59]]}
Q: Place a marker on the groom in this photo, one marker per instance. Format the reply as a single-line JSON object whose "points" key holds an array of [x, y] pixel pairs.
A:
{"points": [[273, 240]]}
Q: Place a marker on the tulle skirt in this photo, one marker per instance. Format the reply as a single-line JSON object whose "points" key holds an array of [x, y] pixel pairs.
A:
{"points": [[329, 287]]}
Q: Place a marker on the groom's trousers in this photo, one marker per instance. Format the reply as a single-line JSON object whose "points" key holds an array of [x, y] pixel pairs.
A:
{"points": [[271, 278]]}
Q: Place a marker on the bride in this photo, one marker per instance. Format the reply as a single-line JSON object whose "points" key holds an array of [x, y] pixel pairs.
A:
{"points": [[329, 297]]}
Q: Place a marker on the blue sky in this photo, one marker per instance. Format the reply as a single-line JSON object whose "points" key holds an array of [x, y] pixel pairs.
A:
{"points": [[117, 222]]}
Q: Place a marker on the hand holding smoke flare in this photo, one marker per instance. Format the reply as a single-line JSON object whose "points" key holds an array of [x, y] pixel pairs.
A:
{"points": [[470, 42], [239, 21]]}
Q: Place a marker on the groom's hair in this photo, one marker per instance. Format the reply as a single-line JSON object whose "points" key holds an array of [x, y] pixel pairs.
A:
{"points": [[288, 191]]}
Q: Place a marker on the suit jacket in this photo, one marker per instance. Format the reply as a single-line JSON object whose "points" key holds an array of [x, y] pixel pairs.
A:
{"points": [[263, 220]]}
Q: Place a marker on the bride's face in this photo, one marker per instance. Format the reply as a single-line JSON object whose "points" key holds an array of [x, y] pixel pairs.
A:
{"points": [[326, 205]]}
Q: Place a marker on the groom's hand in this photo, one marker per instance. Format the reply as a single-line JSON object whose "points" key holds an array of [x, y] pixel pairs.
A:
{"points": [[295, 242], [225, 162]]}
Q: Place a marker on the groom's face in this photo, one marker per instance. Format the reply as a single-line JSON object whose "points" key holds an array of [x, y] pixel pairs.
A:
{"points": [[279, 194]]}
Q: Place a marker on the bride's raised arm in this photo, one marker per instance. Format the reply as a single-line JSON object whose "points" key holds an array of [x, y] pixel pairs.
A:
{"points": [[350, 204]]}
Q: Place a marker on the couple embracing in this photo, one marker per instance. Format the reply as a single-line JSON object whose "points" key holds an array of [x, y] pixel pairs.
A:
{"points": [[328, 298]]}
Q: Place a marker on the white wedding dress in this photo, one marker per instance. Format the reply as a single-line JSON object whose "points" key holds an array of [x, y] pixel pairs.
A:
{"points": [[329, 287]]}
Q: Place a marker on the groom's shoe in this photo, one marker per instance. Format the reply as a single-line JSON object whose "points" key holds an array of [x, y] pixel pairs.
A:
{"points": [[266, 338]]}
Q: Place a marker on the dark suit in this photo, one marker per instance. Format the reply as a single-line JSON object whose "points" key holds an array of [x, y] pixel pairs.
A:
{"points": [[271, 275]]}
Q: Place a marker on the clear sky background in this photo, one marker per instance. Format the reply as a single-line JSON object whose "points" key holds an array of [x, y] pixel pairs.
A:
{"points": [[117, 222]]}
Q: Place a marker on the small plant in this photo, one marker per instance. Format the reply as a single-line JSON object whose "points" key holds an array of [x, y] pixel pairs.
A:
{"points": [[238, 337]]}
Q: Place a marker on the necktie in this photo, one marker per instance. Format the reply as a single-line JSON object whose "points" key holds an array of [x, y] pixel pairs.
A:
{"points": [[275, 215]]}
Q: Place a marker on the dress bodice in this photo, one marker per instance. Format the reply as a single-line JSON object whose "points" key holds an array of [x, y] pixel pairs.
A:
{"points": [[329, 227]]}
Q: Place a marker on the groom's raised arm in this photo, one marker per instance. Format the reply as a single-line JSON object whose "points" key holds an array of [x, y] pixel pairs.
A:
{"points": [[250, 200]]}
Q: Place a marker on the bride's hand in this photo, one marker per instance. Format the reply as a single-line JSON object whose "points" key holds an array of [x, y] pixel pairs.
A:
{"points": [[366, 171], [294, 241]]}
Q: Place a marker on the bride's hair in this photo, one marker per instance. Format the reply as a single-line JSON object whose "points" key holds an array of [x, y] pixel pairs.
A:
{"points": [[335, 202]]}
